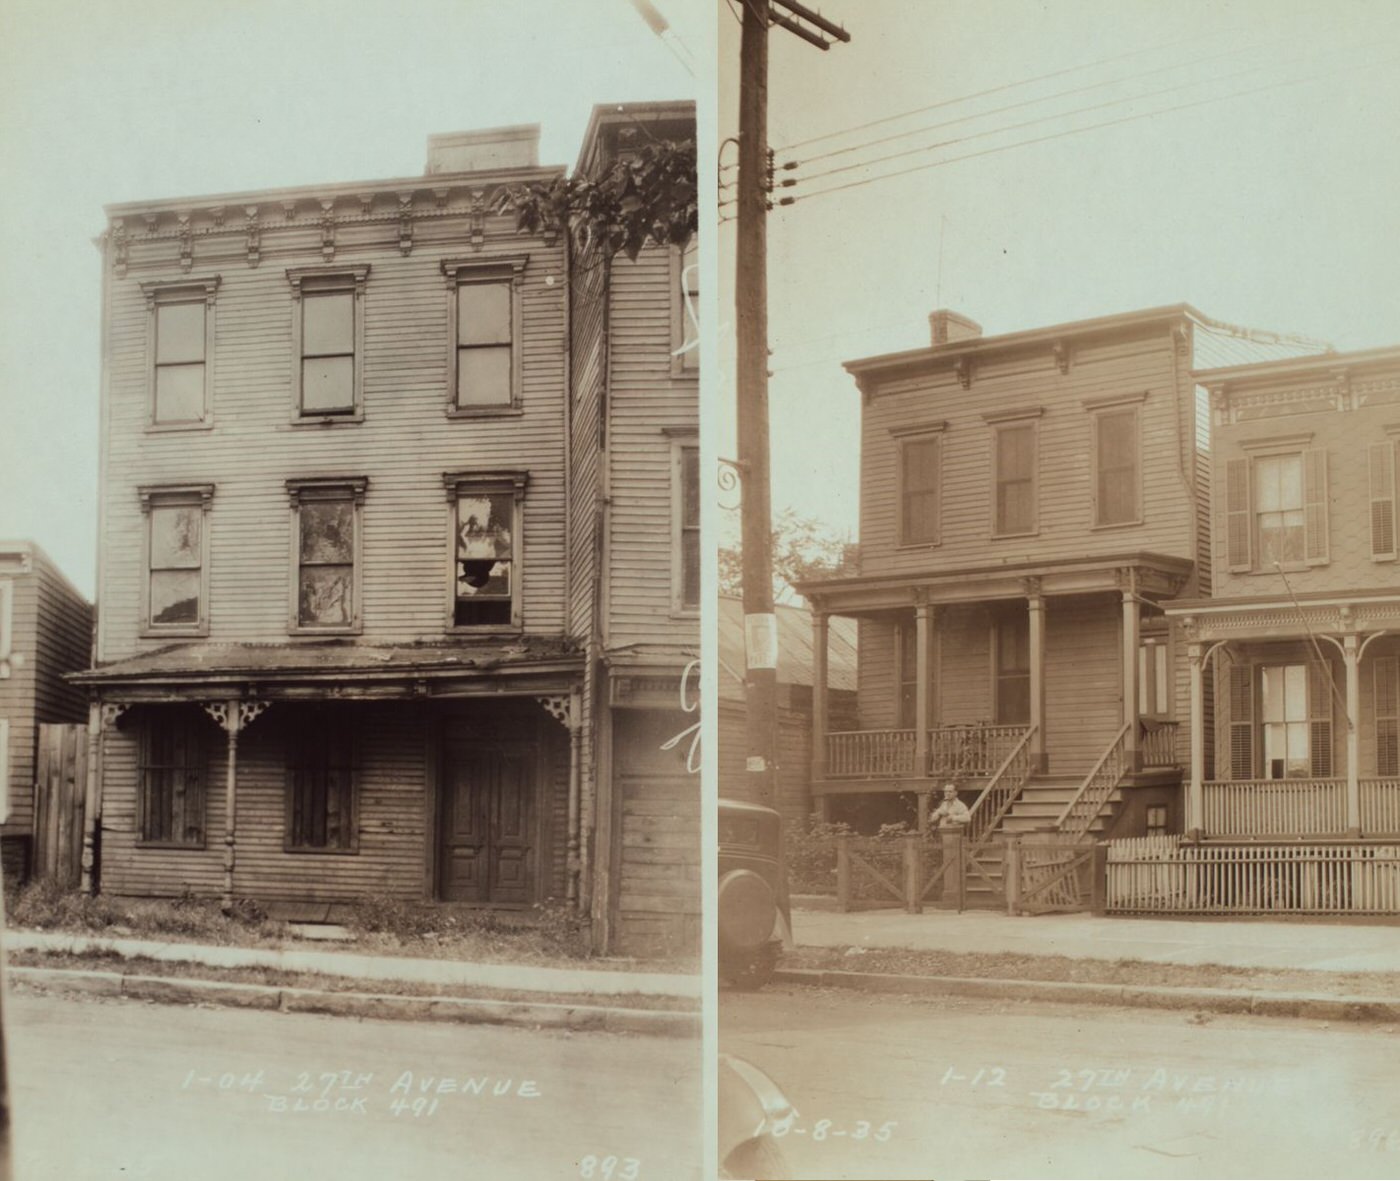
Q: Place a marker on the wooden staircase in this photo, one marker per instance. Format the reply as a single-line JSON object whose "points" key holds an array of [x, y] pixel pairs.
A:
{"points": [[1045, 797]]}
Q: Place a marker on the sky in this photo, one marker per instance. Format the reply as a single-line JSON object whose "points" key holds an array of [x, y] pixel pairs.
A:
{"points": [[1275, 209], [139, 99]]}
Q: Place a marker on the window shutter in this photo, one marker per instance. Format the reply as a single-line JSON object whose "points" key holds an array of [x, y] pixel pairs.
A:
{"points": [[1315, 506], [1382, 500], [1320, 719], [1241, 721], [1387, 687], [919, 479], [1238, 526]]}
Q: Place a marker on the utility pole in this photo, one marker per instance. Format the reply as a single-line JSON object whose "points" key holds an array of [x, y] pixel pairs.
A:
{"points": [[751, 378]]}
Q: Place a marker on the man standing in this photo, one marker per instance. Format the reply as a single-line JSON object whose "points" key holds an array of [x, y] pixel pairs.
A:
{"points": [[952, 811]]}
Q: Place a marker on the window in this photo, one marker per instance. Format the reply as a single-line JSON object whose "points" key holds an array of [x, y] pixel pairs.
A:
{"points": [[326, 553], [4, 769], [172, 778], [321, 776], [7, 625], [907, 652], [1013, 472], [484, 366], [177, 559], [685, 501], [180, 344], [1276, 509], [1382, 487], [328, 338], [1012, 641], [685, 316], [1293, 733], [1116, 467], [486, 529], [1386, 682], [1156, 820], [919, 477], [1154, 686]]}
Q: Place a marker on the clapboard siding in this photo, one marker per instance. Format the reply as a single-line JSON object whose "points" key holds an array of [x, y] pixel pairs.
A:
{"points": [[403, 446], [1083, 681]]}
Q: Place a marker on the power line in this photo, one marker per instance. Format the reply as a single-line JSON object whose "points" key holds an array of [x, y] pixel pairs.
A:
{"points": [[1070, 131], [1107, 104]]}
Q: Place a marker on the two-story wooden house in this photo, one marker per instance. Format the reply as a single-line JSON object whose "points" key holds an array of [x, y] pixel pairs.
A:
{"points": [[45, 632], [1292, 665], [340, 651], [1029, 502]]}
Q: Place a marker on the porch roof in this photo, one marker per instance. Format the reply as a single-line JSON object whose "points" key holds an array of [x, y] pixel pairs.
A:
{"points": [[1273, 615], [204, 665], [1154, 574]]}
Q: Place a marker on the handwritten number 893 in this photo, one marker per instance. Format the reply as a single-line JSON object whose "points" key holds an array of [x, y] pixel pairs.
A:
{"points": [[610, 1168]]}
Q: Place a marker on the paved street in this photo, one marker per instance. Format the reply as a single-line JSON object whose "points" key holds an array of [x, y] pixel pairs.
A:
{"points": [[106, 1090], [889, 1088]]}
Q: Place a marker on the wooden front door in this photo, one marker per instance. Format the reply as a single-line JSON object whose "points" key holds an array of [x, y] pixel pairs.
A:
{"points": [[487, 844]]}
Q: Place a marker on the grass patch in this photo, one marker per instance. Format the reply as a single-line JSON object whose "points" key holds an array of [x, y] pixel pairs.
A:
{"points": [[1013, 966], [110, 961]]}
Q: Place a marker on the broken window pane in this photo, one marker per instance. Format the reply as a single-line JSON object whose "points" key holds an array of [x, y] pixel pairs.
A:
{"points": [[484, 567], [326, 596], [328, 532], [175, 596], [175, 537]]}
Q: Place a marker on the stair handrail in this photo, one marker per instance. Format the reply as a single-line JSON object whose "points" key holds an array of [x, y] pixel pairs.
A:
{"points": [[980, 829], [1102, 780]]}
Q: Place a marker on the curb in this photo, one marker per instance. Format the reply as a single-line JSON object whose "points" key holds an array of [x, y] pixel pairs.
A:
{"points": [[364, 1005], [1314, 1006]]}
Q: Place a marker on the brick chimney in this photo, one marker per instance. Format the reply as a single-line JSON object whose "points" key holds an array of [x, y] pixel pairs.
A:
{"points": [[947, 327], [488, 150]]}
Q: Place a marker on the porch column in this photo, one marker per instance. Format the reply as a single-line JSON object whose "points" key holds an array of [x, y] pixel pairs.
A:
{"points": [[1131, 638], [1195, 797], [1351, 654], [821, 634], [233, 716], [101, 717], [923, 616], [1035, 606]]}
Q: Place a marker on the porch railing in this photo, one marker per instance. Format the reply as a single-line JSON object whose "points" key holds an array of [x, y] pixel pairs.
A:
{"points": [[1001, 792], [1093, 793], [1275, 807], [1159, 744], [1162, 875], [970, 752], [963, 752], [1380, 806], [869, 754]]}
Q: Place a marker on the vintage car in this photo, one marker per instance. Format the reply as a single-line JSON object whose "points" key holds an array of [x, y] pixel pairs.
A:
{"points": [[755, 917]]}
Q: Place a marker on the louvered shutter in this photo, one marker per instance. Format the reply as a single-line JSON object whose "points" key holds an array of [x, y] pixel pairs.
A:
{"points": [[1237, 515], [919, 480], [1315, 506], [1387, 687], [1319, 719], [1382, 500], [1241, 721]]}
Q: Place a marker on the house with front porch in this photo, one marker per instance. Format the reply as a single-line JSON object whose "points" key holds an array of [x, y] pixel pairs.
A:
{"points": [[1293, 663], [1031, 503]]}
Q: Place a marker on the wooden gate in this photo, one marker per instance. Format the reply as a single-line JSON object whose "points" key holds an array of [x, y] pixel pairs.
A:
{"points": [[1049, 874], [60, 785]]}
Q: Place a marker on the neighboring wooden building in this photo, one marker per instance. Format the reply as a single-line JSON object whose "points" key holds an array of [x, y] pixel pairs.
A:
{"points": [[794, 778], [1293, 662], [344, 646], [1028, 504], [45, 632]]}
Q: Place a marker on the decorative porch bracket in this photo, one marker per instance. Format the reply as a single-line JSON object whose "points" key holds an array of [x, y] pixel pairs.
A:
{"points": [[232, 717]]}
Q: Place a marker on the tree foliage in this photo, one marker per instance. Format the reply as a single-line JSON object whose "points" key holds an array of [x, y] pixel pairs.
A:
{"points": [[646, 196], [803, 549]]}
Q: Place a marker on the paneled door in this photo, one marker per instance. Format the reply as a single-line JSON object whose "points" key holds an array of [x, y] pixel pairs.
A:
{"points": [[487, 826]]}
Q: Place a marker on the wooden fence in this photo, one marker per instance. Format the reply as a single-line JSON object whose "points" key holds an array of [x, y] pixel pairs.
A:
{"points": [[1166, 875], [60, 782]]}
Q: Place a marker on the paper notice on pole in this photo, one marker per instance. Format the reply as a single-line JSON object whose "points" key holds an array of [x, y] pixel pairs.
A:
{"points": [[761, 640]]}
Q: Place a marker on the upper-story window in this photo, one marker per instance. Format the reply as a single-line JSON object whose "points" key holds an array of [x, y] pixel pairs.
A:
{"points": [[325, 592], [685, 313], [1014, 456], [1117, 437], [328, 338], [685, 544], [7, 629], [1382, 489], [484, 365], [180, 344], [920, 480], [177, 559], [1276, 508], [486, 512]]}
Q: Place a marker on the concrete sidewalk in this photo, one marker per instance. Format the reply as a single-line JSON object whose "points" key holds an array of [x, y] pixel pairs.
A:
{"points": [[1332, 947]]}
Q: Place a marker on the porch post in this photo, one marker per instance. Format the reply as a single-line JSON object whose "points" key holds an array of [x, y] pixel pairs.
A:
{"points": [[232, 723], [1195, 799], [1035, 607], [1131, 636], [922, 617], [821, 633], [1351, 654], [573, 863]]}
